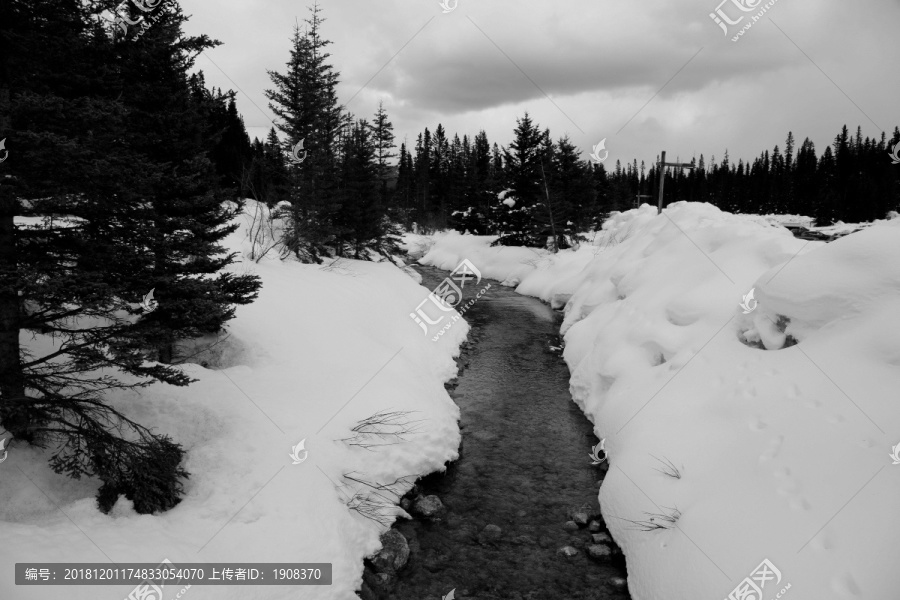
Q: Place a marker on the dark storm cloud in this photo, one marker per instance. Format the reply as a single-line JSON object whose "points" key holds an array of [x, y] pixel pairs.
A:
{"points": [[804, 67]]}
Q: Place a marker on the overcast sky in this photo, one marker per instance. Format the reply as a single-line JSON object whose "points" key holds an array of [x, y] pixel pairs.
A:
{"points": [[646, 75]]}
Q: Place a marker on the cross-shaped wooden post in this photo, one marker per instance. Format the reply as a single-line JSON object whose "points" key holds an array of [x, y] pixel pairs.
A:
{"points": [[662, 175]]}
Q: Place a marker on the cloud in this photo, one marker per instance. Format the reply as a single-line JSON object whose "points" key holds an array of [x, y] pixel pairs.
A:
{"points": [[603, 63]]}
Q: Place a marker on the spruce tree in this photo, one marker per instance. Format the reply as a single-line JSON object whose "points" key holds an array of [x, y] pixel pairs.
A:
{"points": [[405, 189], [383, 139], [423, 180], [305, 99], [71, 283], [522, 174], [186, 216]]}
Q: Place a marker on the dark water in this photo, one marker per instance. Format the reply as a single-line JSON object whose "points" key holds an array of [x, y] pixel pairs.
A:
{"points": [[523, 466]]}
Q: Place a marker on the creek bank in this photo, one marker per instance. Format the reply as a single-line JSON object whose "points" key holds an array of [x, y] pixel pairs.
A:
{"points": [[516, 516]]}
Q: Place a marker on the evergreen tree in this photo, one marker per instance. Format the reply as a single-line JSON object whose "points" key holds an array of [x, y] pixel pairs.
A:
{"points": [[572, 182], [305, 99], [522, 175], [75, 280], [383, 140], [439, 173], [828, 198], [406, 187], [187, 218], [423, 179]]}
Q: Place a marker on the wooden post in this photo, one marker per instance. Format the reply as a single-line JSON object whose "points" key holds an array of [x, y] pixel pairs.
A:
{"points": [[662, 175], [637, 199], [550, 210], [662, 180]]}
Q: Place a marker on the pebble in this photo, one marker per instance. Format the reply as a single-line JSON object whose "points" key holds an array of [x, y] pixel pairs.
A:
{"points": [[599, 551], [571, 526], [602, 538], [428, 506], [567, 551], [490, 534], [524, 540], [393, 554]]}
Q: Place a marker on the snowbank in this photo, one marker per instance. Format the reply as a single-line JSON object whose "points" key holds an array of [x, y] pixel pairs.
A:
{"points": [[777, 425], [321, 349]]}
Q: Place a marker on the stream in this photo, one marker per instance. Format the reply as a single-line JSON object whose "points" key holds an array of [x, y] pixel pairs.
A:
{"points": [[524, 467]]}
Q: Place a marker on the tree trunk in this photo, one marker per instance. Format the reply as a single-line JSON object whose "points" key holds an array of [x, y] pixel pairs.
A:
{"points": [[167, 353], [13, 417], [12, 380]]}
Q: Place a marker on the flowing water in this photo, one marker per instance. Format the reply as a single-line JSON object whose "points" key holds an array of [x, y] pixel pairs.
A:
{"points": [[523, 466]]}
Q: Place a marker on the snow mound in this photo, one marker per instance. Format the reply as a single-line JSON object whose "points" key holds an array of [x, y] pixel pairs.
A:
{"points": [[838, 281], [324, 347]]}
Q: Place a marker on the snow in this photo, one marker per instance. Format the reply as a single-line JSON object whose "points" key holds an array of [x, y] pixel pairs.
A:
{"points": [[321, 349], [506, 199], [782, 452]]}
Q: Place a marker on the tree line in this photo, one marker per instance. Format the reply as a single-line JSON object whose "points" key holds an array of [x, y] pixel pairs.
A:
{"points": [[536, 190]]}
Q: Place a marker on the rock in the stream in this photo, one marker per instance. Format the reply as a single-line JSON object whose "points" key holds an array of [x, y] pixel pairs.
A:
{"points": [[602, 538], [599, 551], [393, 554], [594, 526], [379, 583], [366, 593], [429, 507], [524, 540], [618, 582], [571, 526], [581, 515], [408, 529], [567, 551], [489, 535], [581, 518]]}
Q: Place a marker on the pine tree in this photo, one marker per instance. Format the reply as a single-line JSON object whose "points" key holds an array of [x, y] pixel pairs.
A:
{"points": [[305, 99], [186, 215], [383, 140], [423, 180], [405, 190], [76, 279], [828, 197], [787, 180], [522, 174], [577, 200]]}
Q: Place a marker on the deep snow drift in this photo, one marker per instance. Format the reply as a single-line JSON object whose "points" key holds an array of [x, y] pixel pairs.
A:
{"points": [[321, 349], [763, 436]]}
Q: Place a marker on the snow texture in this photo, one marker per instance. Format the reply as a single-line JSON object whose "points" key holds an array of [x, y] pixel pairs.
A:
{"points": [[779, 422], [321, 349]]}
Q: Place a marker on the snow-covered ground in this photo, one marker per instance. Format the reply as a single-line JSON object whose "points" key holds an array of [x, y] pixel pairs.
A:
{"points": [[775, 453], [320, 350], [757, 451]]}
